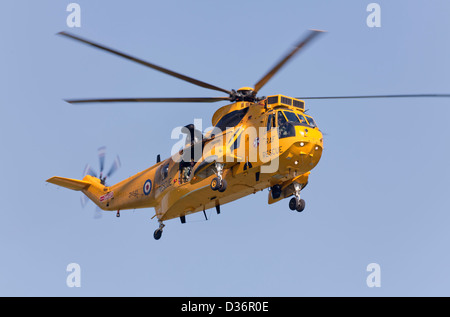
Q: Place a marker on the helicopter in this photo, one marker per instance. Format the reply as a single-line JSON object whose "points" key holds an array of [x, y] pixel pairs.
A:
{"points": [[257, 142]]}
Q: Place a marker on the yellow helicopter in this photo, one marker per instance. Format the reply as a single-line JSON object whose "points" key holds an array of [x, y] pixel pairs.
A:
{"points": [[256, 143]]}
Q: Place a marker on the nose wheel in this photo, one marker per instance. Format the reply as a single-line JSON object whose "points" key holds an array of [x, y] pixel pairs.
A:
{"points": [[296, 203]]}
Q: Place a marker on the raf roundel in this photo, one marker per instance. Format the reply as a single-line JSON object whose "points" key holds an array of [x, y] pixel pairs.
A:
{"points": [[147, 187]]}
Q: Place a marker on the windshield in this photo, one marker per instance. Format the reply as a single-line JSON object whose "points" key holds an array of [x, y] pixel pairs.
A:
{"points": [[281, 119], [292, 117], [285, 128], [299, 118], [311, 122], [302, 119]]}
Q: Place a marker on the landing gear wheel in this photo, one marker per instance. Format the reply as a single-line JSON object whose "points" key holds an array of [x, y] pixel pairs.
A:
{"points": [[293, 204], [223, 186], [301, 205], [215, 183], [157, 234], [218, 183], [297, 204]]}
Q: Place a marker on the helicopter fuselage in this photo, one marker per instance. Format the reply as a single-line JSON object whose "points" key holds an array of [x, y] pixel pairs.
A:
{"points": [[274, 145]]}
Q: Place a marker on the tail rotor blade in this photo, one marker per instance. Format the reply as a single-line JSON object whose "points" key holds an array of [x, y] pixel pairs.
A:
{"points": [[101, 158], [98, 213], [114, 167], [84, 200], [89, 171]]}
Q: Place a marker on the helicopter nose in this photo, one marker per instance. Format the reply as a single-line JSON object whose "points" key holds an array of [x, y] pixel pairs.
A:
{"points": [[306, 152], [309, 136], [309, 148]]}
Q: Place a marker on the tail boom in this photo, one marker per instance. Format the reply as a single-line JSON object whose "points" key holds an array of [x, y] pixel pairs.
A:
{"points": [[90, 186]]}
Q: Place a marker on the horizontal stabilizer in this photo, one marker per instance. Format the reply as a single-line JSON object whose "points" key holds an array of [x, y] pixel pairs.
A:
{"points": [[70, 183]]}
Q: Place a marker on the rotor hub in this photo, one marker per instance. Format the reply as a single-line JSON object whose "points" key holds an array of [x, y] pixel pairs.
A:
{"points": [[244, 94]]}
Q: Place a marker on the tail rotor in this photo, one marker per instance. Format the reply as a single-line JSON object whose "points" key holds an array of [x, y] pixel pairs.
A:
{"points": [[88, 170]]}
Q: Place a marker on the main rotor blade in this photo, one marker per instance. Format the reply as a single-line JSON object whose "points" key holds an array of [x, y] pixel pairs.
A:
{"points": [[142, 62], [380, 96], [312, 34], [189, 99]]}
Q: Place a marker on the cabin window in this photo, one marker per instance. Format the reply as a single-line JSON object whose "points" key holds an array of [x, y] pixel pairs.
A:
{"points": [[164, 171], [231, 119]]}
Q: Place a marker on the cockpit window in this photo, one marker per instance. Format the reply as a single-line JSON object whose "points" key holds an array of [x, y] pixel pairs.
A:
{"points": [[281, 119], [291, 117], [231, 119], [271, 122], [285, 128], [302, 119], [311, 122]]}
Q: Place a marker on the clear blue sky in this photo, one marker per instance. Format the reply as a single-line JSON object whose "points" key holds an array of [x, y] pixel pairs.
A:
{"points": [[379, 194]]}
